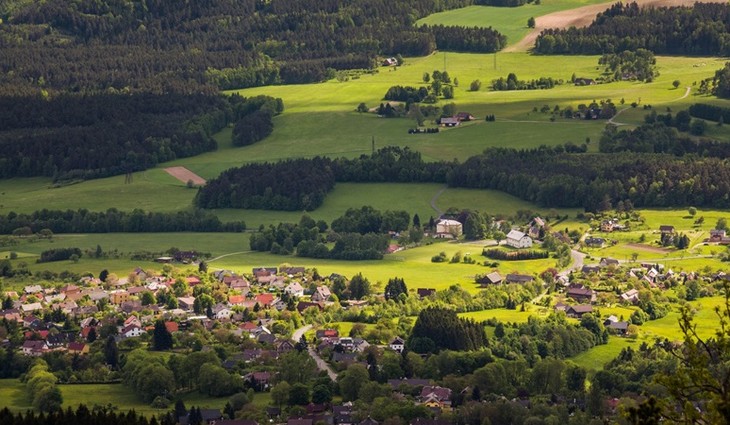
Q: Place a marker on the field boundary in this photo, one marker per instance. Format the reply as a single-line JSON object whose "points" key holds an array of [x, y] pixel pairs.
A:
{"points": [[185, 175]]}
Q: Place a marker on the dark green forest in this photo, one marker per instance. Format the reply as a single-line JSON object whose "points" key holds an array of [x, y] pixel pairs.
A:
{"points": [[165, 45]]}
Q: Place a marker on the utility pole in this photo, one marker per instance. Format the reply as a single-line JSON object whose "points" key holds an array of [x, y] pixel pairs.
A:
{"points": [[373, 145]]}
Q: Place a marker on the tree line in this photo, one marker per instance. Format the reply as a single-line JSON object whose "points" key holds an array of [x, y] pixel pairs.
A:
{"points": [[115, 221], [512, 83], [547, 176], [700, 29], [658, 137]]}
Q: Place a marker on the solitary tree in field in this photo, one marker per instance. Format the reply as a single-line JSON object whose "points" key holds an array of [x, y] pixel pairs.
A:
{"points": [[676, 83], [692, 211], [531, 22]]}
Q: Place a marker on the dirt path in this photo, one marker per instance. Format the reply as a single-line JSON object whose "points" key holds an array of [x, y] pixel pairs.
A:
{"points": [[617, 124], [582, 17], [185, 175], [435, 198]]}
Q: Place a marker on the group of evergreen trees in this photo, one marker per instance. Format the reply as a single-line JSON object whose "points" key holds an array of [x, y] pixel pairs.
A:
{"points": [[699, 29], [500, 254], [657, 137], [441, 329], [291, 185]]}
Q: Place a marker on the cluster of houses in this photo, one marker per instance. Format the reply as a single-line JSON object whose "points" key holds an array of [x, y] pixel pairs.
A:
{"points": [[81, 301]]}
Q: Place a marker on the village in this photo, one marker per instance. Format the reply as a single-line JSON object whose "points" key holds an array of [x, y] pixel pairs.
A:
{"points": [[263, 315]]}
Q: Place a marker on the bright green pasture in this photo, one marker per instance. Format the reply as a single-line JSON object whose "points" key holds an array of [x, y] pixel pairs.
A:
{"points": [[493, 202], [12, 395], [510, 21], [414, 265], [507, 316], [598, 356]]}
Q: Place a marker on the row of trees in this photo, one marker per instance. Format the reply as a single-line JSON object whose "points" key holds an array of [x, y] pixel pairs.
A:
{"points": [[113, 221], [500, 254], [700, 29], [512, 83]]}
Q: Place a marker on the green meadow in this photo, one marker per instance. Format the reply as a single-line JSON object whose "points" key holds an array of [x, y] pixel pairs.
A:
{"points": [[12, 394]]}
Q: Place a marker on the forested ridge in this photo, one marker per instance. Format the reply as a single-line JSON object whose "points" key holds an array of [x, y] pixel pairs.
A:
{"points": [[701, 29], [82, 136], [166, 45]]}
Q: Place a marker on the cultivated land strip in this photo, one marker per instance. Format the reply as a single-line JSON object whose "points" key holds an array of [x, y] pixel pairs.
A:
{"points": [[185, 175]]}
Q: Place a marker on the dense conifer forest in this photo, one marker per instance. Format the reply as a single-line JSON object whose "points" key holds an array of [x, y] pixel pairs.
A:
{"points": [[698, 30], [165, 45], [75, 136]]}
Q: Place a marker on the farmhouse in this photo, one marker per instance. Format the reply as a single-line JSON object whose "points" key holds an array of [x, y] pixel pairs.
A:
{"points": [[322, 293], [464, 116], [666, 230], [517, 239], [493, 278], [577, 311], [446, 228], [449, 122], [425, 292], [594, 242], [605, 262], [584, 82]]}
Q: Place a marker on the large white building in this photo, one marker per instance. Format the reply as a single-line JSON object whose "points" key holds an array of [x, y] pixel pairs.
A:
{"points": [[449, 228], [517, 239]]}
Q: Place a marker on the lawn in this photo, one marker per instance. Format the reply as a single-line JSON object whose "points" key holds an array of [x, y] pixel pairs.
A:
{"points": [[510, 21], [12, 395], [414, 265]]}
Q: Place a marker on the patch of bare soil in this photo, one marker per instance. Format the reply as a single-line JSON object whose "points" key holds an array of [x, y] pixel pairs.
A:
{"points": [[185, 175], [649, 248], [583, 16]]}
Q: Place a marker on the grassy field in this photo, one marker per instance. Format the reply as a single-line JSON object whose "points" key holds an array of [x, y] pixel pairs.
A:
{"points": [[12, 396], [320, 120], [510, 21]]}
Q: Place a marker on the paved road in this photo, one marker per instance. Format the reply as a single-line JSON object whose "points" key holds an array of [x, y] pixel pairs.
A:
{"points": [[321, 364]]}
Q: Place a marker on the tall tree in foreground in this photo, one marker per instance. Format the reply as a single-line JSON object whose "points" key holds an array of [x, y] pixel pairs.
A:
{"points": [[701, 384], [161, 339]]}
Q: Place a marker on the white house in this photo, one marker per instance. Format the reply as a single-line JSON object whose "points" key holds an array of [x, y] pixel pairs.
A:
{"points": [[397, 344], [448, 228], [321, 294], [517, 239], [294, 289], [222, 312], [132, 331]]}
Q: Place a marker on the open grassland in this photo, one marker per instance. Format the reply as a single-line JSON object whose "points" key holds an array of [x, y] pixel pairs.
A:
{"points": [[320, 120], [12, 396], [510, 21], [596, 357], [414, 265]]}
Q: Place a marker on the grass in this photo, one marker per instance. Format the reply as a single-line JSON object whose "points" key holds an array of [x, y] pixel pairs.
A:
{"points": [[510, 21], [596, 357], [12, 396]]}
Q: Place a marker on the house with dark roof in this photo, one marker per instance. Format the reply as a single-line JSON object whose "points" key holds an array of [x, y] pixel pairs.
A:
{"points": [[606, 261], [425, 292], [577, 311], [594, 242], [581, 294], [666, 229]]}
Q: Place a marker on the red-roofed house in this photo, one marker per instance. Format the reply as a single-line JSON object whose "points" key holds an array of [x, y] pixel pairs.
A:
{"points": [[192, 280], [236, 299], [78, 348], [264, 300]]}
